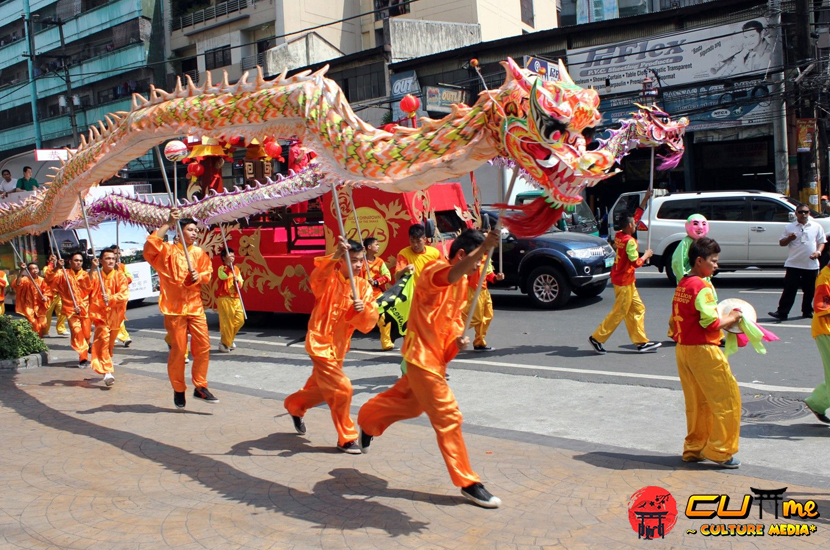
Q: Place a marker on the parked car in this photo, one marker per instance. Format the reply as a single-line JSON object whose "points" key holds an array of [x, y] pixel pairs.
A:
{"points": [[746, 224], [551, 266], [580, 220]]}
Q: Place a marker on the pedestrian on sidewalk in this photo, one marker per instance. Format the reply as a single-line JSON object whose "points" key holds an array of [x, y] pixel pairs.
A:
{"points": [[335, 317], [628, 306], [107, 314], [379, 277], [123, 336], [180, 301], [228, 302], [482, 311], [713, 401], [804, 239], [819, 400], [433, 338], [74, 300], [30, 303]]}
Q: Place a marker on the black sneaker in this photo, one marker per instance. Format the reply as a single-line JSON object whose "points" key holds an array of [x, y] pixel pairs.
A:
{"points": [[648, 346], [127, 342], [205, 395], [597, 345], [178, 399], [364, 440], [477, 494], [83, 364], [447, 376], [776, 315], [299, 424], [351, 447], [820, 416], [482, 348], [807, 315]]}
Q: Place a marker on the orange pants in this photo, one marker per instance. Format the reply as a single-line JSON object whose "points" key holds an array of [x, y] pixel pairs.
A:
{"points": [[38, 322], [327, 383], [80, 328], [102, 347], [416, 392], [178, 326]]}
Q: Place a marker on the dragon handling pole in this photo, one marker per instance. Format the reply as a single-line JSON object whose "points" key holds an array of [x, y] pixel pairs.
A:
{"points": [[343, 232], [173, 204], [233, 273], [92, 246], [56, 251], [26, 269]]}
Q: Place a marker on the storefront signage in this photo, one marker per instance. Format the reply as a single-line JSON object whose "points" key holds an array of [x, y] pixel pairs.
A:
{"points": [[402, 84], [806, 134], [439, 99], [548, 69]]}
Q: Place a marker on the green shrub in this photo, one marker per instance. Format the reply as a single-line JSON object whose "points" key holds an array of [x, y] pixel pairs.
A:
{"points": [[17, 339]]}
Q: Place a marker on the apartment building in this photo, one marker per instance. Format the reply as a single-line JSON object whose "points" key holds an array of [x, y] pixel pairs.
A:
{"points": [[108, 50]]}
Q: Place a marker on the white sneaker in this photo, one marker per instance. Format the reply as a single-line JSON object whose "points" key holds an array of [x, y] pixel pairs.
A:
{"points": [[127, 342], [233, 346], [223, 348], [187, 359], [109, 379]]}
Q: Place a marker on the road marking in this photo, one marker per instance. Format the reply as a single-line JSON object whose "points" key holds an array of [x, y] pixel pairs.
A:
{"points": [[762, 292], [779, 325], [750, 385]]}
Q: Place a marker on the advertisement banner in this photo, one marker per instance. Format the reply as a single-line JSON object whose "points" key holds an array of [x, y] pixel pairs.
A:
{"points": [[729, 51], [402, 84], [548, 69], [439, 99], [806, 134]]}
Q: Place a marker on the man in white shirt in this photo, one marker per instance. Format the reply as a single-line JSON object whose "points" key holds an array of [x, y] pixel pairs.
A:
{"points": [[805, 239], [7, 185]]}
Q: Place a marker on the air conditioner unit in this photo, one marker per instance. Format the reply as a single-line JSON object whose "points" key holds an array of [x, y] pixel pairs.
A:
{"points": [[76, 100], [62, 101]]}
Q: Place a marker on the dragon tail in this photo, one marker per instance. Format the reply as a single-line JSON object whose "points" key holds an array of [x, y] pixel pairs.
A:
{"points": [[531, 219]]}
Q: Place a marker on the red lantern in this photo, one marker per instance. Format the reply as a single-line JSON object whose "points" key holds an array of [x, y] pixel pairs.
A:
{"points": [[273, 149], [195, 169], [410, 104]]}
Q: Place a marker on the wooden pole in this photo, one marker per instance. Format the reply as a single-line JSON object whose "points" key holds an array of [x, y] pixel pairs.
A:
{"points": [[233, 273], [359, 235], [56, 251], [92, 246], [650, 209], [343, 232], [26, 269], [173, 203]]}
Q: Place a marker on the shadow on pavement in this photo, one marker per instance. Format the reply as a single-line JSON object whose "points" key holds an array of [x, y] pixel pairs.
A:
{"points": [[229, 482], [88, 383], [371, 486], [140, 409], [792, 432], [283, 444], [624, 461]]}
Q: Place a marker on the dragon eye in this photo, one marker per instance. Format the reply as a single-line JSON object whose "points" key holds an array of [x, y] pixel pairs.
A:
{"points": [[549, 126], [588, 133]]}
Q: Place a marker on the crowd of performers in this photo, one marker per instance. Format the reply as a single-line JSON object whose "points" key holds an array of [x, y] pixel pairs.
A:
{"points": [[443, 296]]}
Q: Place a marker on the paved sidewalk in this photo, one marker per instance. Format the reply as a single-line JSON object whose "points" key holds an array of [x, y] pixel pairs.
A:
{"points": [[84, 466]]}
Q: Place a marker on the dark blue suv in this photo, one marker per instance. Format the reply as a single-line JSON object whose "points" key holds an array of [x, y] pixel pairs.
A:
{"points": [[551, 266]]}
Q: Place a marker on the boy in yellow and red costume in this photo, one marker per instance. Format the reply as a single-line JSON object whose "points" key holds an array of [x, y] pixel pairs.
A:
{"points": [[108, 315], [628, 306], [74, 301], [483, 311], [433, 338], [123, 336], [713, 400], [30, 303], [379, 277], [4, 282], [180, 301], [228, 302], [335, 317]]}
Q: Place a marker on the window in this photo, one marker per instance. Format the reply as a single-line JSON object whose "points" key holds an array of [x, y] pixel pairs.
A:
{"points": [[362, 83], [769, 211], [727, 210], [448, 223], [527, 12], [678, 210], [220, 57]]}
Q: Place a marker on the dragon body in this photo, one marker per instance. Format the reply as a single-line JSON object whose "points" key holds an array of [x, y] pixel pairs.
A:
{"points": [[538, 124]]}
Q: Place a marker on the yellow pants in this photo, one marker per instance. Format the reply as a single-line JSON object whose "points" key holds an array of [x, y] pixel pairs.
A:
{"points": [[420, 391], [385, 334], [482, 314], [713, 403], [327, 383], [628, 307], [55, 308], [231, 318], [123, 335]]}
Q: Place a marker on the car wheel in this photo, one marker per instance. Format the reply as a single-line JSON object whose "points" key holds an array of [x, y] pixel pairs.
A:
{"points": [[548, 288], [667, 257], [590, 291]]}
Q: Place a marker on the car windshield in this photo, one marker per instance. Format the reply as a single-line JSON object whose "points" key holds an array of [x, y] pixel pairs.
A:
{"points": [[494, 219], [813, 213]]}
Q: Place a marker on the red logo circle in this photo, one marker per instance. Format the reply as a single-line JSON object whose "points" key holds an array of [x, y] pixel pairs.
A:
{"points": [[652, 512]]}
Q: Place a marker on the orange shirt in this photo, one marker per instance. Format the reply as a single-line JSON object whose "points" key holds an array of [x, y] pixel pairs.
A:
{"points": [[226, 286], [60, 280], [695, 313], [118, 293], [4, 282], [334, 319], [178, 295], [435, 318], [377, 272], [27, 301]]}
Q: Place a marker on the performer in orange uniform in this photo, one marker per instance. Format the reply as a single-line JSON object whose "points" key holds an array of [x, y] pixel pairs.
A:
{"points": [[180, 301], [379, 277], [228, 304], [713, 400], [76, 311], [28, 301], [107, 315], [482, 312], [123, 335], [434, 336], [628, 306], [334, 318], [4, 282], [418, 254]]}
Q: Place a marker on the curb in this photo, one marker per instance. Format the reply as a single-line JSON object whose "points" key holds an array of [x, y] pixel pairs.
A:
{"points": [[28, 362]]}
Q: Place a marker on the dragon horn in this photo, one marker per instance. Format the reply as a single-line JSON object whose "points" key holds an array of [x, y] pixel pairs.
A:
{"points": [[514, 72], [563, 74]]}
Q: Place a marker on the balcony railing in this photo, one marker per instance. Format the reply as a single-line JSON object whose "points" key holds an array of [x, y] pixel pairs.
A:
{"points": [[395, 9], [251, 61], [675, 4], [211, 12]]}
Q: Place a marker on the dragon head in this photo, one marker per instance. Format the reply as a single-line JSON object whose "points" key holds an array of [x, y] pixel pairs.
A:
{"points": [[546, 129], [654, 128]]}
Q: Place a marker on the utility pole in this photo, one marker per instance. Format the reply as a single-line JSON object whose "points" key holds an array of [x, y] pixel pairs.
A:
{"points": [[70, 98], [30, 35], [779, 109], [806, 107]]}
